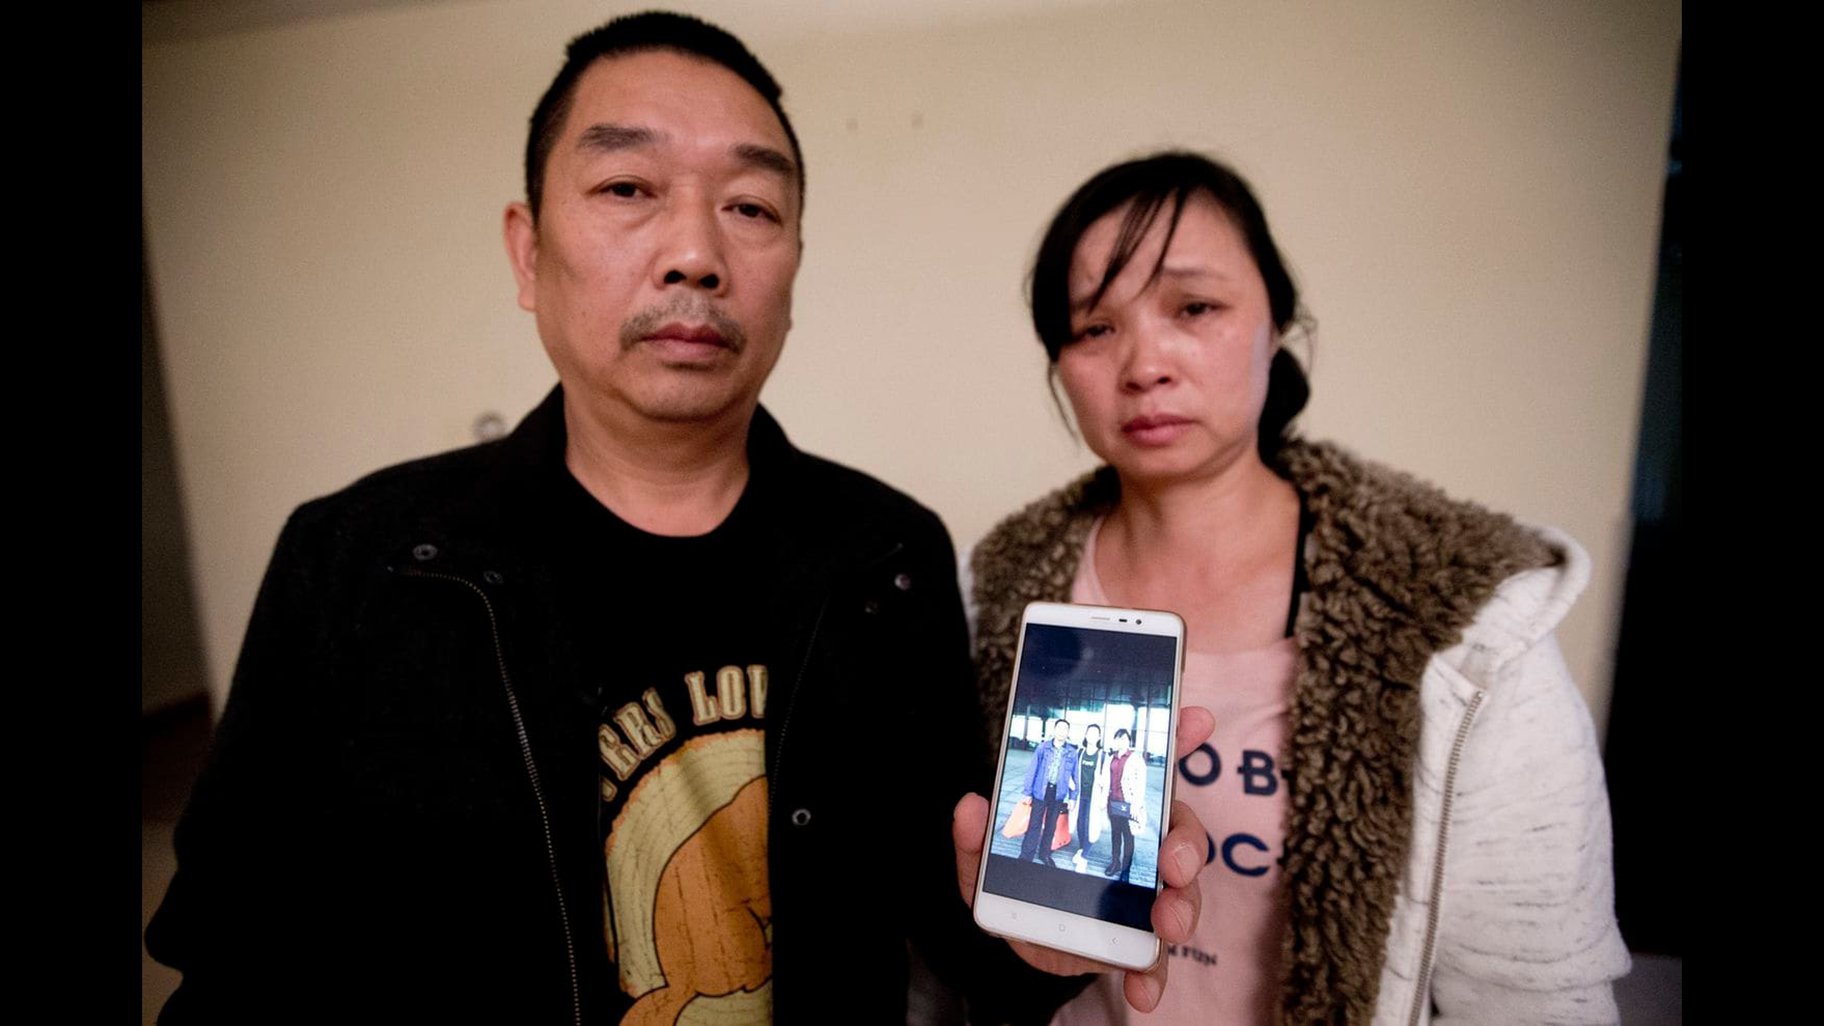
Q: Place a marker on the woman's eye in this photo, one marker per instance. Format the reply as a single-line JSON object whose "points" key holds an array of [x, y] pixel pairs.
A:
{"points": [[1198, 309], [1093, 331]]}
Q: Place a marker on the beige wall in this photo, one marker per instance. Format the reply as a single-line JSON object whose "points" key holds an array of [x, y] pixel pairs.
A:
{"points": [[1469, 193]]}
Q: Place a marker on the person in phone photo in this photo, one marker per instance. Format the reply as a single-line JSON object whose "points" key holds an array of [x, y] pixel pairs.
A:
{"points": [[1402, 796], [1120, 794], [1051, 782], [1082, 812]]}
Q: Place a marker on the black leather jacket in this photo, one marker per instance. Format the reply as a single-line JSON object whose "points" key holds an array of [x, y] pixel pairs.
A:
{"points": [[396, 821]]}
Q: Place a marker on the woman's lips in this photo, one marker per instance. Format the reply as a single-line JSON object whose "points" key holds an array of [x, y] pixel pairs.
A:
{"points": [[1155, 429]]}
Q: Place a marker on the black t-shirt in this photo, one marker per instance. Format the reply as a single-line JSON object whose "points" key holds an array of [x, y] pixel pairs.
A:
{"points": [[683, 654]]}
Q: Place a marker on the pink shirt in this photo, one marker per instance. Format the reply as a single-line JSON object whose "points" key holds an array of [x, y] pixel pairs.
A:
{"points": [[1229, 971]]}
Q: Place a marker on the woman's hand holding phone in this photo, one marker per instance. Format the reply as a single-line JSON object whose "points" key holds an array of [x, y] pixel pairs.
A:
{"points": [[1182, 856]]}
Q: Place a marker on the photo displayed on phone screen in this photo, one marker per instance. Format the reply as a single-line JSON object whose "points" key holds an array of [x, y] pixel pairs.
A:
{"points": [[1080, 800]]}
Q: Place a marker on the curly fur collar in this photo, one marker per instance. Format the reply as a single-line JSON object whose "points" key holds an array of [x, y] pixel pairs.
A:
{"points": [[1397, 571]]}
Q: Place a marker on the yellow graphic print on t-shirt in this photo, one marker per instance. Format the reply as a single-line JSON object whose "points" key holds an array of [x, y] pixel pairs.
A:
{"points": [[687, 876]]}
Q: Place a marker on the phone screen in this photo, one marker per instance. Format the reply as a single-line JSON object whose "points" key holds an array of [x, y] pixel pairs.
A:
{"points": [[1081, 797]]}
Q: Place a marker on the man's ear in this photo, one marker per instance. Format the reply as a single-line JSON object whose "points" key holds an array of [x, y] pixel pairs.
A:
{"points": [[521, 235]]}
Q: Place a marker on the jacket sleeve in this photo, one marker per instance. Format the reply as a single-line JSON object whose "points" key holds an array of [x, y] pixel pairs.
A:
{"points": [[225, 921], [1098, 800], [1133, 784], [996, 985], [1527, 920]]}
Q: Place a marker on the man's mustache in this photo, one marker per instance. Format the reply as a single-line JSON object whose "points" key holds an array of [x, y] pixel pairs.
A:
{"points": [[689, 311]]}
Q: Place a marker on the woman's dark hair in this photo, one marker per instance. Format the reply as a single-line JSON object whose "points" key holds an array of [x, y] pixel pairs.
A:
{"points": [[1123, 733], [1166, 182]]}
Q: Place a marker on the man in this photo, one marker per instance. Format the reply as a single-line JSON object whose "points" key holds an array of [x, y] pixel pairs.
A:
{"points": [[552, 729], [1051, 781]]}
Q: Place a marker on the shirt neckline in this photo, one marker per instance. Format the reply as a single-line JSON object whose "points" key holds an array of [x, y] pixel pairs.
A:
{"points": [[1100, 596]]}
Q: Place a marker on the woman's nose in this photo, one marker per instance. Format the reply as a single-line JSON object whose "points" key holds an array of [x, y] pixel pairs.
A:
{"points": [[1145, 365]]}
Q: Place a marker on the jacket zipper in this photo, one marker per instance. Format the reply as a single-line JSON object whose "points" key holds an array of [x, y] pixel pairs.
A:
{"points": [[1420, 998], [785, 722], [538, 791], [810, 649]]}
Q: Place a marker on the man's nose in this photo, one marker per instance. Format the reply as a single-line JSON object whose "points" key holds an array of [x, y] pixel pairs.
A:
{"points": [[692, 255]]}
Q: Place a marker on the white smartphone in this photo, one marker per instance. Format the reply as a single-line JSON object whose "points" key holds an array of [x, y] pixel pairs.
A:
{"points": [[1084, 782]]}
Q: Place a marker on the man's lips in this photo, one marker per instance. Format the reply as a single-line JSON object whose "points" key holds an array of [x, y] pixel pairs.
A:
{"points": [[692, 334], [685, 330]]}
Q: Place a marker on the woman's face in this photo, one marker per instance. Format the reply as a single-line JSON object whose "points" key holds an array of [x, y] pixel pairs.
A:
{"points": [[1119, 744], [1167, 378]]}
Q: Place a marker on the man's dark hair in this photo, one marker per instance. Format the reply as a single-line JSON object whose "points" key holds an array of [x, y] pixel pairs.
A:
{"points": [[1151, 187], [1060, 720], [638, 33]]}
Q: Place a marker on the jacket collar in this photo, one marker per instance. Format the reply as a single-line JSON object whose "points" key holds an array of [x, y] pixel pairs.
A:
{"points": [[508, 494], [536, 445], [823, 522]]}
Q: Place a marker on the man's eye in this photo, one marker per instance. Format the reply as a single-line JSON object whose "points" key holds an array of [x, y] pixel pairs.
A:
{"points": [[754, 211], [625, 190]]}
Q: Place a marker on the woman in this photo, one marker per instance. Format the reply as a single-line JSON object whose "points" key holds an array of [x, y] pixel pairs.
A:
{"points": [[1085, 814], [1119, 800], [1403, 794]]}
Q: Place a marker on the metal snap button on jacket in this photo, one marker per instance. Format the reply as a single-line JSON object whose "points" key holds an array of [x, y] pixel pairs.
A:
{"points": [[424, 552], [800, 817], [903, 582]]}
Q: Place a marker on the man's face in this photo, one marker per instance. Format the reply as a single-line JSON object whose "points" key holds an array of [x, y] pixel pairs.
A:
{"points": [[1060, 731], [660, 268]]}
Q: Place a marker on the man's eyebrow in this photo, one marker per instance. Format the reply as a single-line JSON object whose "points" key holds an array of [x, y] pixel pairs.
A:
{"points": [[608, 137], [766, 158]]}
